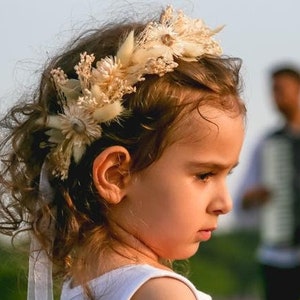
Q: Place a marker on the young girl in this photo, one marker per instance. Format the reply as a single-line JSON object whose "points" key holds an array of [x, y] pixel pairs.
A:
{"points": [[117, 165]]}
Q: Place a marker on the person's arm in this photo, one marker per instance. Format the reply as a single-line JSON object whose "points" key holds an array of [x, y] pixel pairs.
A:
{"points": [[164, 288], [255, 197], [251, 192]]}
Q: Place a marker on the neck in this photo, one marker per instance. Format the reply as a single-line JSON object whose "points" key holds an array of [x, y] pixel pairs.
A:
{"points": [[127, 248], [293, 122], [120, 249]]}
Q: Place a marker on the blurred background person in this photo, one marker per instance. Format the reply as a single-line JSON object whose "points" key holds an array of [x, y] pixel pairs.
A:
{"points": [[269, 195]]}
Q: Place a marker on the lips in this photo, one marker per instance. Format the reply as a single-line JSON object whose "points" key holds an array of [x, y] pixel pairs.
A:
{"points": [[205, 234]]}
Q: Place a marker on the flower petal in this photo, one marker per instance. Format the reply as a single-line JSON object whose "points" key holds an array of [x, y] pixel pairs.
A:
{"points": [[126, 49], [78, 151], [72, 89], [54, 122], [108, 112]]}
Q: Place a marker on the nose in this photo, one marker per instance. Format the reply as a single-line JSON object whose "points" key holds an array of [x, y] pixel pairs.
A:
{"points": [[221, 201]]}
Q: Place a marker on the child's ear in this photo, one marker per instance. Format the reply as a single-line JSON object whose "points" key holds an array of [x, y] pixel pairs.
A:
{"points": [[111, 173]]}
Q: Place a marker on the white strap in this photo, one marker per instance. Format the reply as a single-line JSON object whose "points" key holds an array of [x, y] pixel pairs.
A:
{"points": [[40, 283]]}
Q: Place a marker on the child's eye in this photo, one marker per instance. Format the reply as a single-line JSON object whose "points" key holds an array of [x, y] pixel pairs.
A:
{"points": [[204, 176]]}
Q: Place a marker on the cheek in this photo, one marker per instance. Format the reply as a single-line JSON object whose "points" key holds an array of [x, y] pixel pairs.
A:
{"points": [[163, 195]]}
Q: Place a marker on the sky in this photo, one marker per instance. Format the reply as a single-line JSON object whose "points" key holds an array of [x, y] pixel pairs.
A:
{"points": [[263, 33]]}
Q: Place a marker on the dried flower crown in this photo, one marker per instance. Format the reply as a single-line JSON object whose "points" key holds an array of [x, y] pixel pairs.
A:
{"points": [[96, 97]]}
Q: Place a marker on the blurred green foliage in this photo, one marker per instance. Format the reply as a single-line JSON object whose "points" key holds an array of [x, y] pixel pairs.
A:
{"points": [[224, 267], [13, 274]]}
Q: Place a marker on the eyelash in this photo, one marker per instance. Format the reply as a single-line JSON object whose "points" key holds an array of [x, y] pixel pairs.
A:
{"points": [[204, 176]]}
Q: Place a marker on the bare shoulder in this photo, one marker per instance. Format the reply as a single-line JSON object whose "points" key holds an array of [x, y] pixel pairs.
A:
{"points": [[164, 288]]}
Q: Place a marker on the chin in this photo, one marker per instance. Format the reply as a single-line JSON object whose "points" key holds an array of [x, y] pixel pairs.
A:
{"points": [[187, 253]]}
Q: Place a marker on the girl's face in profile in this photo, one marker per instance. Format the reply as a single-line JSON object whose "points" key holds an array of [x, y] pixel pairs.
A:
{"points": [[175, 203]]}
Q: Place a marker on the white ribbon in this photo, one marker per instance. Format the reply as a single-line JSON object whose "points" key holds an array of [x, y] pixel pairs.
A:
{"points": [[40, 283]]}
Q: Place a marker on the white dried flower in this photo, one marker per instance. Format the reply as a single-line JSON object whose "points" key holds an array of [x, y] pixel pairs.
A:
{"points": [[79, 126], [96, 96]]}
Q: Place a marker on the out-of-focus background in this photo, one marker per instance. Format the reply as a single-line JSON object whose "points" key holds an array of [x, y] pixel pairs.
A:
{"points": [[262, 33]]}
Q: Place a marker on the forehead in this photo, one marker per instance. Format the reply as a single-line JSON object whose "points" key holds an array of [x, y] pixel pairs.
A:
{"points": [[207, 121], [285, 79], [216, 140]]}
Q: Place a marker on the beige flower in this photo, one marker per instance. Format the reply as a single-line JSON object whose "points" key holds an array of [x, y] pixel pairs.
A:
{"points": [[72, 131], [96, 96], [84, 70], [78, 126]]}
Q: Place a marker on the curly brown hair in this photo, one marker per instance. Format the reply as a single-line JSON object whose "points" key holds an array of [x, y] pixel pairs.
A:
{"points": [[79, 213]]}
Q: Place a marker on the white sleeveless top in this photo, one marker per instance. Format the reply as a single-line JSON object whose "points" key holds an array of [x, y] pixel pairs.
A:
{"points": [[122, 283]]}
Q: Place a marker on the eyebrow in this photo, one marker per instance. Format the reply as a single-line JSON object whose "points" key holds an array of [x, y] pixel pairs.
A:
{"points": [[212, 165]]}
